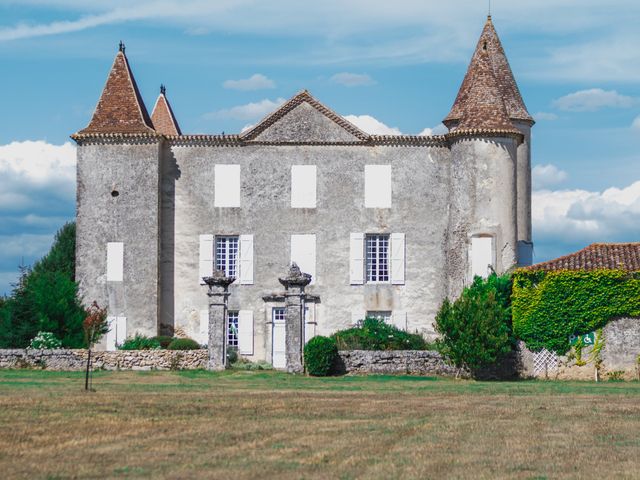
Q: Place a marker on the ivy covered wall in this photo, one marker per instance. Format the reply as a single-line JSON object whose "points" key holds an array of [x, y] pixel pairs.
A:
{"points": [[548, 307]]}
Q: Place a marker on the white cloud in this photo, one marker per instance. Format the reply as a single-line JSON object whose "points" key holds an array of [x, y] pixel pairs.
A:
{"points": [[592, 100], [545, 116], [439, 129], [39, 162], [566, 220], [636, 123], [352, 79], [37, 196], [371, 125], [249, 111], [256, 81], [545, 176]]}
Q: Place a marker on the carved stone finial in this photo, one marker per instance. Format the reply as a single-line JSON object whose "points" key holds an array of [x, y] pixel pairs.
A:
{"points": [[121, 47], [163, 89], [218, 278], [295, 277]]}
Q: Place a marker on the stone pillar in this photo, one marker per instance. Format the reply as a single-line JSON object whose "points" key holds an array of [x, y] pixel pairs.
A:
{"points": [[218, 297], [294, 283]]}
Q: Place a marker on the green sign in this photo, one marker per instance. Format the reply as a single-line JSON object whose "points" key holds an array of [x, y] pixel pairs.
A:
{"points": [[587, 339]]}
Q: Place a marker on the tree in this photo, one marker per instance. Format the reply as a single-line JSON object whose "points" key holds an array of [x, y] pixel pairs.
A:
{"points": [[476, 328], [94, 326], [45, 298]]}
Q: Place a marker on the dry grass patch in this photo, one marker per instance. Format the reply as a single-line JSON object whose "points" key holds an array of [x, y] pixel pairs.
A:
{"points": [[267, 424]]}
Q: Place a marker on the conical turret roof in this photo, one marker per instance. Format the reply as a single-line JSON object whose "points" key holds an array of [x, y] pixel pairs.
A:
{"points": [[120, 108], [489, 97], [164, 121]]}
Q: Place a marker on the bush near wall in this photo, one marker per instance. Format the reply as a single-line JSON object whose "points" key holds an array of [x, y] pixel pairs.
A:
{"points": [[376, 334], [476, 329], [548, 307]]}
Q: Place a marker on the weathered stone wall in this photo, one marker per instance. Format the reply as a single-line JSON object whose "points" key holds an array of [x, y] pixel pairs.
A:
{"points": [[118, 360], [414, 362], [619, 354]]}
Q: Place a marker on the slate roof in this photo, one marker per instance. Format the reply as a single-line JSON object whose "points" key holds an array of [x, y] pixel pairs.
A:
{"points": [[120, 108], [164, 121], [489, 97], [612, 256]]}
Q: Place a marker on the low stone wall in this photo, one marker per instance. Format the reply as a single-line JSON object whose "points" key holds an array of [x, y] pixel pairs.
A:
{"points": [[414, 362], [118, 360]]}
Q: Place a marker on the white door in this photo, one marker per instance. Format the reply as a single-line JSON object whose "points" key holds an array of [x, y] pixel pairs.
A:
{"points": [[279, 347]]}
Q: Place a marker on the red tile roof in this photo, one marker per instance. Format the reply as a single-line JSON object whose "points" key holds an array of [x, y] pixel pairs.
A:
{"points": [[612, 256], [489, 97], [164, 121], [120, 108]]}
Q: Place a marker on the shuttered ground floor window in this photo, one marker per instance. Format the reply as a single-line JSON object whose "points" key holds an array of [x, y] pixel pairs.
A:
{"points": [[232, 330], [377, 256]]}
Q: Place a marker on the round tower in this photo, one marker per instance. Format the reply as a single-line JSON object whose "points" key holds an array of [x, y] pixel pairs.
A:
{"points": [[489, 136]]}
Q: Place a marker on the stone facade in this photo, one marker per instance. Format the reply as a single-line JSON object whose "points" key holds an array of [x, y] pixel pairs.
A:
{"points": [[154, 194], [118, 360]]}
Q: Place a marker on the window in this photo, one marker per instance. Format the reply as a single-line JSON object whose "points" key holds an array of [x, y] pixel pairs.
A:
{"points": [[377, 258], [385, 316], [303, 186], [377, 186], [115, 261], [226, 192], [227, 255], [279, 314], [232, 330], [303, 252], [481, 256]]}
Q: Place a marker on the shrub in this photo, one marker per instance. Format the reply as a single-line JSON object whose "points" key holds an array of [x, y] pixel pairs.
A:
{"points": [[164, 340], [476, 329], [549, 307], [45, 340], [183, 344], [232, 355], [140, 342], [375, 334], [320, 353]]}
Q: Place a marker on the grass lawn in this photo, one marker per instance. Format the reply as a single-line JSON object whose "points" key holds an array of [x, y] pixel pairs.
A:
{"points": [[272, 425]]}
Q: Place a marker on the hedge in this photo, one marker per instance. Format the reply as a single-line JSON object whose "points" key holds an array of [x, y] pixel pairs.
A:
{"points": [[549, 307]]}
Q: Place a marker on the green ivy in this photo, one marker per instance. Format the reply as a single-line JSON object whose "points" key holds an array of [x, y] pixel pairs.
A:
{"points": [[548, 307]]}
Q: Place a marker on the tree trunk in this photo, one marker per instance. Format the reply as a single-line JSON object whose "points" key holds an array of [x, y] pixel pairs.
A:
{"points": [[86, 378]]}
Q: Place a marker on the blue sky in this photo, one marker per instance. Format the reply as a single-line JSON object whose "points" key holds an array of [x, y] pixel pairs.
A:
{"points": [[389, 66]]}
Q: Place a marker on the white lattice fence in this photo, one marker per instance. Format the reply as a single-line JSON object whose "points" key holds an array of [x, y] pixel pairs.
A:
{"points": [[544, 361]]}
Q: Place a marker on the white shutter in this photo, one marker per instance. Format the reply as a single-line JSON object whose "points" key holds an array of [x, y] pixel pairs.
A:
{"points": [[399, 319], [111, 334], [357, 316], [206, 257], [481, 256], [303, 252], [245, 332], [203, 332], [303, 186], [356, 259], [246, 259], [115, 261], [226, 186], [121, 330], [397, 258], [310, 322], [377, 186]]}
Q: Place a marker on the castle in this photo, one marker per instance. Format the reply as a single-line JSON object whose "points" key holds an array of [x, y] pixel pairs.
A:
{"points": [[386, 225]]}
